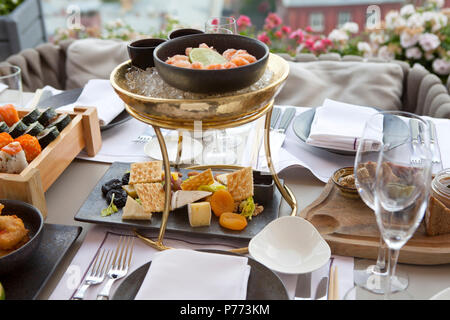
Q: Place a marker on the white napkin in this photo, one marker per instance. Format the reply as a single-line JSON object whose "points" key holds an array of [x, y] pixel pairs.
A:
{"points": [[3, 87], [180, 274], [100, 94], [340, 126]]}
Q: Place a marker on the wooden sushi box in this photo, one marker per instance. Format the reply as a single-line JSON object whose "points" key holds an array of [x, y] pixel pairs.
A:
{"points": [[83, 132]]}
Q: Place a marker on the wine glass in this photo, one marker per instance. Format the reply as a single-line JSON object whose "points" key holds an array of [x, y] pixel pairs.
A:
{"points": [[10, 85], [397, 183], [222, 149], [372, 276]]}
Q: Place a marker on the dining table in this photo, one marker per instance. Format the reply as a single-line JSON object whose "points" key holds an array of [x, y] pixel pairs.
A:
{"points": [[68, 193]]}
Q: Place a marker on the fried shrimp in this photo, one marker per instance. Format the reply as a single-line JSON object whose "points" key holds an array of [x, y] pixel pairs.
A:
{"points": [[12, 232]]}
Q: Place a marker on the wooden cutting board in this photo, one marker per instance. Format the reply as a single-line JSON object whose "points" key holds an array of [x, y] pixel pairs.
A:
{"points": [[349, 227]]}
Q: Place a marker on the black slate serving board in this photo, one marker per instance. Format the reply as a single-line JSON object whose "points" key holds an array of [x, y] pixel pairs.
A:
{"points": [[26, 282], [178, 220]]}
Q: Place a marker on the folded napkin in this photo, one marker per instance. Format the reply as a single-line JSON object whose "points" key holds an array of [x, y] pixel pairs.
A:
{"points": [[181, 274], [100, 94], [340, 126]]}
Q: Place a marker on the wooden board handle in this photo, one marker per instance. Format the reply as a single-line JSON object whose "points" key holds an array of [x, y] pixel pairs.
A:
{"points": [[27, 188], [91, 129]]}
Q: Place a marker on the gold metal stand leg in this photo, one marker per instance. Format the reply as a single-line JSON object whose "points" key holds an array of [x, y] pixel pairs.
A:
{"points": [[179, 149], [285, 191], [165, 215]]}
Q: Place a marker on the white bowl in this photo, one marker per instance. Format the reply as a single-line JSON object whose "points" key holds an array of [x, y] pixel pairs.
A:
{"points": [[290, 245]]}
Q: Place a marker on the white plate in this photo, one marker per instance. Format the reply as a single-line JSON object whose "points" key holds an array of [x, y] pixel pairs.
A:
{"points": [[191, 148], [290, 245], [443, 295]]}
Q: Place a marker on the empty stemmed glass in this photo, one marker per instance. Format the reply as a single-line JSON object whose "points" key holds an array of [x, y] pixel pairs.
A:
{"points": [[369, 147], [395, 185], [222, 149]]}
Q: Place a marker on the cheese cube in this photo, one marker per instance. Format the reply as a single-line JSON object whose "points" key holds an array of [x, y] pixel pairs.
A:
{"points": [[199, 214]]}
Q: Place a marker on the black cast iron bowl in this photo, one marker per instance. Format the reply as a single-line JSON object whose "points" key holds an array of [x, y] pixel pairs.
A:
{"points": [[211, 81], [34, 222]]}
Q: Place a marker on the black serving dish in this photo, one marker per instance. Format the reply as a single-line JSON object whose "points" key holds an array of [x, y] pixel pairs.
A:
{"points": [[211, 81], [183, 32], [34, 222], [141, 52], [263, 187]]}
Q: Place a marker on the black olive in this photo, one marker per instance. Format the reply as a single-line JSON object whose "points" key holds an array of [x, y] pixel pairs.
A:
{"points": [[114, 184], [126, 178], [120, 197]]}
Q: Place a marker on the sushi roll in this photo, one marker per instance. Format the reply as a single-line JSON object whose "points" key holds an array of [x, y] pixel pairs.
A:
{"points": [[30, 146], [47, 116], [34, 129], [9, 114], [61, 122], [17, 129], [31, 117], [5, 139], [4, 127], [13, 158], [47, 136]]}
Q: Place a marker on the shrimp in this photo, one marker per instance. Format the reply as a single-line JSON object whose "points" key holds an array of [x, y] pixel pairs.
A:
{"points": [[197, 65], [182, 64], [215, 67], [204, 45], [239, 61], [247, 57], [12, 232], [229, 65], [177, 58], [188, 51], [229, 53]]}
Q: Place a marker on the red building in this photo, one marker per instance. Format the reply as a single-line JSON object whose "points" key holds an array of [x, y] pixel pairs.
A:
{"points": [[325, 15]]}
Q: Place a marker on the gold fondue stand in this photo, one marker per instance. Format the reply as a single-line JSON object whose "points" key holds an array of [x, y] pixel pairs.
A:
{"points": [[213, 112]]}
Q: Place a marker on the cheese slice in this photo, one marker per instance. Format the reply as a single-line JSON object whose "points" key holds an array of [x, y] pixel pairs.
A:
{"points": [[181, 198], [134, 211], [199, 214], [222, 178]]}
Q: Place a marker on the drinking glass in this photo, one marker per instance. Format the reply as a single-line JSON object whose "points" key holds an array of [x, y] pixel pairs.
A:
{"points": [[396, 180], [222, 149], [10, 86], [372, 277]]}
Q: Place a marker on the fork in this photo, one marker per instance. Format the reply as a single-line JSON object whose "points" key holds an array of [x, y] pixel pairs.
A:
{"points": [[96, 275], [119, 266], [415, 157]]}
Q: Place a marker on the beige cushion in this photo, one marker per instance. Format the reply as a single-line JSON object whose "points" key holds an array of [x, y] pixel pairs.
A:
{"points": [[93, 59], [362, 83]]}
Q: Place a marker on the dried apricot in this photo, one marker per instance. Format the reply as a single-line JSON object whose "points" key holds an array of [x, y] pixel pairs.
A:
{"points": [[222, 201], [233, 221]]}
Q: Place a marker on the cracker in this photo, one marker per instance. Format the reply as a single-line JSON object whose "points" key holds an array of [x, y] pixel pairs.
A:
{"points": [[240, 184], [134, 211], [204, 178], [152, 196], [146, 172]]}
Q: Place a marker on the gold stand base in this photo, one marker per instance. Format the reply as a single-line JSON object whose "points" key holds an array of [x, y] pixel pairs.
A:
{"points": [[284, 190]]}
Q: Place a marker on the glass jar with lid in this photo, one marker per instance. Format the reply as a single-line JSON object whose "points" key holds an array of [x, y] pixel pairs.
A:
{"points": [[440, 187]]}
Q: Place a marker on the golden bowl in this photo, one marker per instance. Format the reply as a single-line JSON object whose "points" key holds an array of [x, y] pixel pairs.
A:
{"points": [[346, 190], [217, 112]]}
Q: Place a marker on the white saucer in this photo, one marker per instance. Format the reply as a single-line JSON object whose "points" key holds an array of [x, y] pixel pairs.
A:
{"points": [[290, 245], [191, 149], [443, 295]]}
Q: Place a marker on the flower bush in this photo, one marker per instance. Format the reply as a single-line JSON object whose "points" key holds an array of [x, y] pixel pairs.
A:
{"points": [[415, 35], [8, 6]]}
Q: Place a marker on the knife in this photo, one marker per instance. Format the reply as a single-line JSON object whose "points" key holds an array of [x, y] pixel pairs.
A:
{"points": [[303, 288], [275, 115], [286, 119], [322, 288]]}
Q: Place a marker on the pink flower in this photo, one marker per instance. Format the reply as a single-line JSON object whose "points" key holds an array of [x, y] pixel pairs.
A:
{"points": [[279, 34], [308, 29], [243, 22], [297, 35], [309, 43], [286, 29], [215, 21], [272, 21], [264, 38]]}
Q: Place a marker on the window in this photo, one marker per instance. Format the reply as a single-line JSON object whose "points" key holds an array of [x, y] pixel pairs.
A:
{"points": [[316, 21], [344, 17]]}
